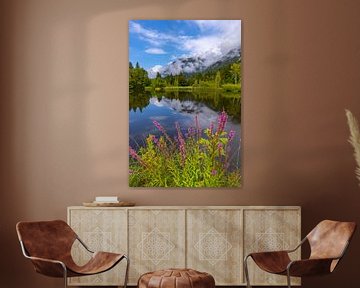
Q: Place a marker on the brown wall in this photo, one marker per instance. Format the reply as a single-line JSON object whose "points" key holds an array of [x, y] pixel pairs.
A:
{"points": [[64, 99]]}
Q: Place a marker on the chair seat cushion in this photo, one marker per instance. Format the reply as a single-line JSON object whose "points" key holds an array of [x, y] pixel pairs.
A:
{"points": [[176, 278]]}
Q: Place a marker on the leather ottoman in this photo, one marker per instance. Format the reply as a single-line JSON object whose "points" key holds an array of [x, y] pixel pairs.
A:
{"points": [[176, 278]]}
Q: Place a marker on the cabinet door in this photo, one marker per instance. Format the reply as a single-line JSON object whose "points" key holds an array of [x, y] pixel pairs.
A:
{"points": [[100, 230], [214, 244], [270, 230], [156, 240]]}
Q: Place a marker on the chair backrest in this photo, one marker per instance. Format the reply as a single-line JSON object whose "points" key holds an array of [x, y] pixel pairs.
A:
{"points": [[329, 239], [46, 239]]}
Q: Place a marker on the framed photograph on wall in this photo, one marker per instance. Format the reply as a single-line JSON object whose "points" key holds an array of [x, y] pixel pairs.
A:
{"points": [[185, 103]]}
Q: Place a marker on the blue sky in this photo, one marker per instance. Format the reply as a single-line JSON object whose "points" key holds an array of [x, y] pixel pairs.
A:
{"points": [[155, 43]]}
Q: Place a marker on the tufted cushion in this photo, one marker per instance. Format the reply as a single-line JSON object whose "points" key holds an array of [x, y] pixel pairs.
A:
{"points": [[176, 278]]}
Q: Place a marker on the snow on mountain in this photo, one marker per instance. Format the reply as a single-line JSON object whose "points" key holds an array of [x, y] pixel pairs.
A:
{"points": [[188, 65]]}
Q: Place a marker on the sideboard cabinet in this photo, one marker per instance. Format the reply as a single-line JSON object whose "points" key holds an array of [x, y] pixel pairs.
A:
{"points": [[212, 239]]}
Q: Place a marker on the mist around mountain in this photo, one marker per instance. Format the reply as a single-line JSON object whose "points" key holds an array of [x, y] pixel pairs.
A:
{"points": [[196, 64]]}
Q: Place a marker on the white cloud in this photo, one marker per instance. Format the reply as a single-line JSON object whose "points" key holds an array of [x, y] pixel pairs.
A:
{"points": [[155, 51], [219, 37], [152, 36]]}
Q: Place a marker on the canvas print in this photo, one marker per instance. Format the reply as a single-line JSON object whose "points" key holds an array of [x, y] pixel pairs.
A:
{"points": [[185, 103]]}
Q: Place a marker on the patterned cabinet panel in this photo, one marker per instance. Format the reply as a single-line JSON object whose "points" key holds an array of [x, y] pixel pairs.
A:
{"points": [[271, 229], [101, 230], [210, 239], [214, 244], [156, 240]]}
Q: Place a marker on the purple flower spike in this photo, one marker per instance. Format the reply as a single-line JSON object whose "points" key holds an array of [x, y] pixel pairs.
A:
{"points": [[211, 128], [158, 126], [162, 130], [191, 132], [231, 135], [133, 154], [213, 172], [222, 119], [181, 143]]}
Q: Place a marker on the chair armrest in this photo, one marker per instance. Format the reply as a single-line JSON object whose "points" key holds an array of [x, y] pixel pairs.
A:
{"points": [[48, 267], [309, 267], [83, 244], [298, 246]]}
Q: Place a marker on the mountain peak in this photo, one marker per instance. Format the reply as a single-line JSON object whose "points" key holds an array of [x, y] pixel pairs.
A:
{"points": [[194, 64]]}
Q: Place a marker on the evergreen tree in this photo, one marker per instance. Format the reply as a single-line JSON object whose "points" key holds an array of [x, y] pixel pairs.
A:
{"points": [[235, 71], [138, 78], [182, 80], [217, 79]]}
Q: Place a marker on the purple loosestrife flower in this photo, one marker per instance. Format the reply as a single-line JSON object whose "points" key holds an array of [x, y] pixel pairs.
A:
{"points": [[222, 119], [134, 154], [151, 138], [158, 126], [181, 143], [211, 128], [213, 172], [162, 130], [191, 132], [231, 135]]}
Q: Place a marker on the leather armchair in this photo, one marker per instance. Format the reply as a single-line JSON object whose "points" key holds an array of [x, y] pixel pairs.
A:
{"points": [[48, 245], [328, 242]]}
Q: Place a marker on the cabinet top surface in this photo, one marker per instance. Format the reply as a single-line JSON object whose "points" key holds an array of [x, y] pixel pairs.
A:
{"points": [[193, 207]]}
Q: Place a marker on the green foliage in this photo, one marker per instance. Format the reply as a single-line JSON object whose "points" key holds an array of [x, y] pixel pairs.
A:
{"points": [[195, 160], [138, 78], [158, 83], [217, 79], [235, 72]]}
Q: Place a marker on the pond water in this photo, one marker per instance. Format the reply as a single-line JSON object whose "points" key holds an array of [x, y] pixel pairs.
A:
{"points": [[182, 107]]}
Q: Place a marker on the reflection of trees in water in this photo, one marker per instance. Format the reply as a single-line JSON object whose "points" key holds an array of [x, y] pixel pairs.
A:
{"points": [[214, 99], [139, 99]]}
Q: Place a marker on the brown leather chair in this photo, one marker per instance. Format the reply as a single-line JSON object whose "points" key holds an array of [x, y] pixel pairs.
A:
{"points": [[48, 245], [328, 242]]}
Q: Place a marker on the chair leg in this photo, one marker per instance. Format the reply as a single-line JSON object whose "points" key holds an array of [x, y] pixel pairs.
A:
{"points": [[127, 271], [288, 278], [246, 272], [65, 276]]}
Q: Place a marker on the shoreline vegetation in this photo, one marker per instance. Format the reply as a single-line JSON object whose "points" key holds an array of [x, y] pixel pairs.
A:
{"points": [[226, 88], [224, 79]]}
